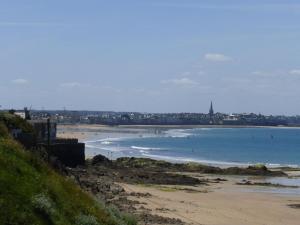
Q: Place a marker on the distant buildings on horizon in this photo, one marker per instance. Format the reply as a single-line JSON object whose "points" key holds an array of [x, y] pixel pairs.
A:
{"points": [[136, 118]]}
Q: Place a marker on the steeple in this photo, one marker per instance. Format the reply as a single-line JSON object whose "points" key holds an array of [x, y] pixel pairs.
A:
{"points": [[211, 110]]}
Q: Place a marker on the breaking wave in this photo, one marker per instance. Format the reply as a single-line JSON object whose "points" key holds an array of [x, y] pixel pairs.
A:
{"points": [[145, 148], [178, 133]]}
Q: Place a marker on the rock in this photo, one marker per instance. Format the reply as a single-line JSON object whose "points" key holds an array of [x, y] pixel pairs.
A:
{"points": [[294, 206], [100, 159]]}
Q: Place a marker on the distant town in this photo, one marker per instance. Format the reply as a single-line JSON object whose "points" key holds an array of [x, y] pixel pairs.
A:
{"points": [[137, 118]]}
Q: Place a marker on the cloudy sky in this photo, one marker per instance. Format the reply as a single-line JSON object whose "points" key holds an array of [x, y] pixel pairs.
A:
{"points": [[151, 55]]}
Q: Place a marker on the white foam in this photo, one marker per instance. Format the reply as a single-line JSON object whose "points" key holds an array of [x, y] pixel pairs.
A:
{"points": [[112, 149], [105, 140], [178, 133], [143, 152], [204, 128], [272, 165], [145, 148]]}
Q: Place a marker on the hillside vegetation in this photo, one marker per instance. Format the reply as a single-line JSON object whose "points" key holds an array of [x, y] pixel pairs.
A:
{"points": [[33, 193]]}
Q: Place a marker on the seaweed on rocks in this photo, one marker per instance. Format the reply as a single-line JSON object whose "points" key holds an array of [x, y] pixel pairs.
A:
{"points": [[163, 166], [100, 176]]}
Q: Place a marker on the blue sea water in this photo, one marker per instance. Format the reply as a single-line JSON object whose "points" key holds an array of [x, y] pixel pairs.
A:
{"points": [[215, 146]]}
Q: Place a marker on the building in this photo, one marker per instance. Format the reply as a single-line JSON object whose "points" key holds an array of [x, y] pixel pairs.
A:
{"points": [[44, 130], [211, 111]]}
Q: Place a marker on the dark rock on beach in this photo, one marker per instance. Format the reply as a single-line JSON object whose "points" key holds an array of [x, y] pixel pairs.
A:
{"points": [[100, 177], [155, 219], [163, 166], [265, 184], [100, 159], [294, 206]]}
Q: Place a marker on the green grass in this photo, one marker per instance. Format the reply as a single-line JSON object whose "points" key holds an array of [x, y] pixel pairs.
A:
{"points": [[34, 194], [13, 121]]}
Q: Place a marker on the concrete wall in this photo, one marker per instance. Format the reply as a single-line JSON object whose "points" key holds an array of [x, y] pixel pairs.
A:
{"points": [[69, 154], [41, 129]]}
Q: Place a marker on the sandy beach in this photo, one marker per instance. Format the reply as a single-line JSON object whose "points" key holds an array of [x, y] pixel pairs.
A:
{"points": [[81, 132], [222, 204], [219, 203], [84, 132]]}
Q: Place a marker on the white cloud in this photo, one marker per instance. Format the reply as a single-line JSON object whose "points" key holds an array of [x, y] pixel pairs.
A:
{"points": [[295, 72], [20, 81], [217, 57], [180, 82], [71, 84]]}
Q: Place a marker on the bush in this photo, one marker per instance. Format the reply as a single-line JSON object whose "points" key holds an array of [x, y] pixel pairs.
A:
{"points": [[3, 130], [43, 204], [86, 220], [33, 193], [121, 218], [129, 219], [13, 121]]}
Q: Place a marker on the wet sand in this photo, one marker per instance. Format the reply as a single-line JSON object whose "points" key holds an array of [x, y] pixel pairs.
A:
{"points": [[222, 204]]}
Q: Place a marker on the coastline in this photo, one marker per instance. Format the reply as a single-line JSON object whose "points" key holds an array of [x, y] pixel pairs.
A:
{"points": [[85, 132], [223, 204], [100, 139], [156, 194], [216, 200], [95, 126]]}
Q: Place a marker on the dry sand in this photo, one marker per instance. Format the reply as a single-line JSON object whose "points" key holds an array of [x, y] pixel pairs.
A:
{"points": [[80, 131], [219, 204], [85, 131]]}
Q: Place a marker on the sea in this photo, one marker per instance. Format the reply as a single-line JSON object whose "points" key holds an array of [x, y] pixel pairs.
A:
{"points": [[222, 147]]}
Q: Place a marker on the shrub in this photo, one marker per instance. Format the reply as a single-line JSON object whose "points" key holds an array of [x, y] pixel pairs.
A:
{"points": [[12, 121], [129, 219], [121, 218], [43, 204], [86, 220], [3, 130], [31, 192]]}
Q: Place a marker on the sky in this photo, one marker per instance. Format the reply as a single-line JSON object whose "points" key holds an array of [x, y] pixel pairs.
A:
{"points": [[151, 55]]}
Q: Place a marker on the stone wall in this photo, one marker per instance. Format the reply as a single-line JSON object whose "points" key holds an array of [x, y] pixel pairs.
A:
{"points": [[69, 154]]}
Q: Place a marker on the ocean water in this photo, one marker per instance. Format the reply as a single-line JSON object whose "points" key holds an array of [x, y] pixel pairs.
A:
{"points": [[215, 146]]}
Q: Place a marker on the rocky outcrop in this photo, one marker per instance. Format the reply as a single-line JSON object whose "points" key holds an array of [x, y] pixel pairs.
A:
{"points": [[100, 176], [158, 165]]}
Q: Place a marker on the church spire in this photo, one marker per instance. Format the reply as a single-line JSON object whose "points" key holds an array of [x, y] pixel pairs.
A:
{"points": [[211, 110]]}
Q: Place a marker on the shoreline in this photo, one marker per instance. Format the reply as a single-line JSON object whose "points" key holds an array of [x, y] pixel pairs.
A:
{"points": [[172, 126], [90, 133], [170, 196], [222, 204], [162, 195]]}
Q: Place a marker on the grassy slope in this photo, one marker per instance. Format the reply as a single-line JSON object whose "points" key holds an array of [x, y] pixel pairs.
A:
{"points": [[32, 193]]}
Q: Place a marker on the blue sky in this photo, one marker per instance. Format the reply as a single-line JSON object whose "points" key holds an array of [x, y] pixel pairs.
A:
{"points": [[151, 55]]}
